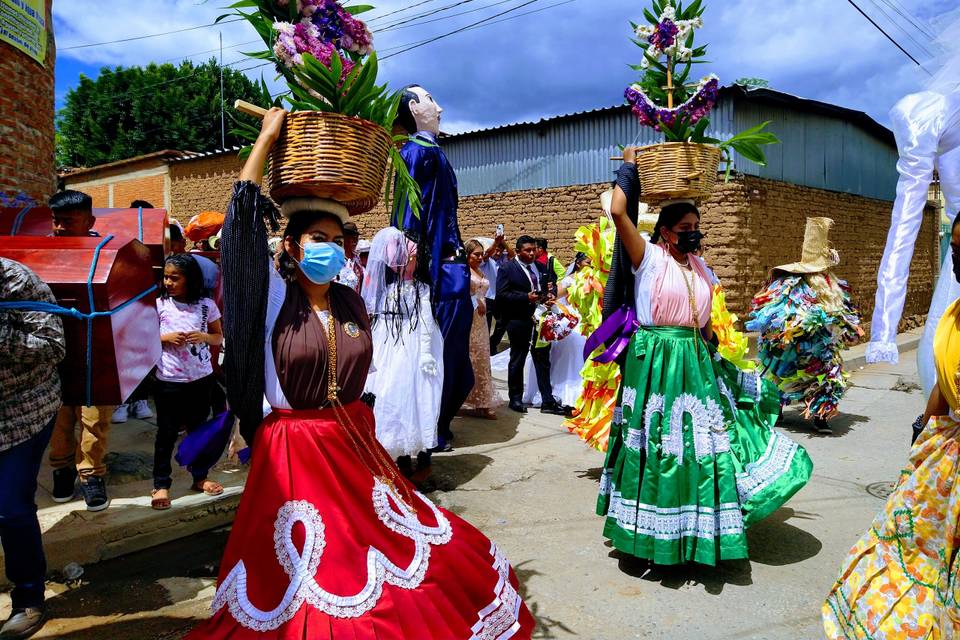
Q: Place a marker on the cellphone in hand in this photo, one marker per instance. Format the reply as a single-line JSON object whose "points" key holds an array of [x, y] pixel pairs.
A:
{"points": [[499, 233]]}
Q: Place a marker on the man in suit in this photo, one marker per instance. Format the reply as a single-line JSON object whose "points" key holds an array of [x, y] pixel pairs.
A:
{"points": [[520, 287]]}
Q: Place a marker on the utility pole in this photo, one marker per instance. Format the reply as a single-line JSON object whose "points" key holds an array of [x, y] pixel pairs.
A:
{"points": [[223, 127]]}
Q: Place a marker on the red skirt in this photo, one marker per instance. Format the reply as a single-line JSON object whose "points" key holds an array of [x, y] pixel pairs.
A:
{"points": [[321, 549]]}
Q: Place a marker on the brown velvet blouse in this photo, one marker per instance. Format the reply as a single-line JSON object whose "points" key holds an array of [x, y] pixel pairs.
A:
{"points": [[300, 348]]}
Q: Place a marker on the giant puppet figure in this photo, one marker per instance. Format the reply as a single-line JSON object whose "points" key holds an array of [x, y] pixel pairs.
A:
{"points": [[927, 129], [440, 261]]}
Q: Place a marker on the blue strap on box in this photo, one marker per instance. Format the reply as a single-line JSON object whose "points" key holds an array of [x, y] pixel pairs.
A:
{"points": [[18, 220], [49, 307]]}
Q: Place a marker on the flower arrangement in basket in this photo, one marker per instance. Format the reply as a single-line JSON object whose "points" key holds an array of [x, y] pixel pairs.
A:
{"points": [[686, 164], [336, 142]]}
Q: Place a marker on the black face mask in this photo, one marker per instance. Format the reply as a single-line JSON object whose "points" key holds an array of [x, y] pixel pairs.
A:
{"points": [[688, 241]]}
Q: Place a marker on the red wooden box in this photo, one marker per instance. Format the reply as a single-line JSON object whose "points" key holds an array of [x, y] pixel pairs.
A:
{"points": [[152, 229], [125, 345]]}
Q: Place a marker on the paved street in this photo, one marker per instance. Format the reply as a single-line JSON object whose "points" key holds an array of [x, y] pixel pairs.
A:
{"points": [[531, 486]]}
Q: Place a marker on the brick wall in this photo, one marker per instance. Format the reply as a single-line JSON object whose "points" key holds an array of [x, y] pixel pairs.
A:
{"points": [[26, 120], [117, 185], [751, 226], [150, 188], [202, 184]]}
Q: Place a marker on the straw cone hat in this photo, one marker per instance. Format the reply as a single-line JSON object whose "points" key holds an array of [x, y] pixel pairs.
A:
{"points": [[646, 221], [817, 255]]}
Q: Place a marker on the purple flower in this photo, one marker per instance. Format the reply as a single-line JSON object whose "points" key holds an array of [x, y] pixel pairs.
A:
{"points": [[664, 35], [693, 110]]}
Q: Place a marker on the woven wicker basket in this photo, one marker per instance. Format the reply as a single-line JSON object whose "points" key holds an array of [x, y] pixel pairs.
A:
{"points": [[328, 155], [672, 170]]}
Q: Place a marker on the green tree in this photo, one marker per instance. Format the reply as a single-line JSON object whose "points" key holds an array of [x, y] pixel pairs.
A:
{"points": [[130, 111]]}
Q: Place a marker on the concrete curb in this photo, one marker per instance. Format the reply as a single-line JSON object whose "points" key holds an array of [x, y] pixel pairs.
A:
{"points": [[127, 526]]}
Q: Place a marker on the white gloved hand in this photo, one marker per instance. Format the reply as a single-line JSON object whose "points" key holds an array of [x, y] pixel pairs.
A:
{"points": [[428, 364]]}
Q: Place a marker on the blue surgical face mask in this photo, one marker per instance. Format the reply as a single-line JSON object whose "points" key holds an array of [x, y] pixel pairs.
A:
{"points": [[322, 261]]}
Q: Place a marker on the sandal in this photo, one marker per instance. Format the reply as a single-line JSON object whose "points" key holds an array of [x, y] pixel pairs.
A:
{"points": [[160, 504], [487, 414], [207, 487]]}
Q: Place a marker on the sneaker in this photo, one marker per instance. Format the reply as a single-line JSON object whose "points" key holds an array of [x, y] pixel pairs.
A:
{"points": [[64, 484], [94, 491], [23, 623], [141, 410], [120, 414]]}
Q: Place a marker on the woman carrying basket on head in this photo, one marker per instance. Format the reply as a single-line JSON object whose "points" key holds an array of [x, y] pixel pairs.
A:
{"points": [[330, 541], [693, 458]]}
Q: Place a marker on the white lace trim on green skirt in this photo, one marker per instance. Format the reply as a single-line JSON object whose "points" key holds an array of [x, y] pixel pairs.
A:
{"points": [[675, 523]]}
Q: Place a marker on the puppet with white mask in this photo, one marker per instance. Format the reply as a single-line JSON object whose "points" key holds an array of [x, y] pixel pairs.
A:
{"points": [[440, 260]]}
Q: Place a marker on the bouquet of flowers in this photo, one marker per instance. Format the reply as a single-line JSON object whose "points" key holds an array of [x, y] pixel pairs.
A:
{"points": [[325, 53], [665, 99], [557, 324]]}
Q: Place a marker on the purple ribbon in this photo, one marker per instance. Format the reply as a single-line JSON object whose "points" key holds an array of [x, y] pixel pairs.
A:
{"points": [[615, 330]]}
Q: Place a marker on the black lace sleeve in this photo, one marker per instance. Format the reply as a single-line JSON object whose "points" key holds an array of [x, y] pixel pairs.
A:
{"points": [[620, 290], [245, 261]]}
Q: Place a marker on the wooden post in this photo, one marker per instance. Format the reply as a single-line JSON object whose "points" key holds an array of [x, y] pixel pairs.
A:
{"points": [[670, 86]]}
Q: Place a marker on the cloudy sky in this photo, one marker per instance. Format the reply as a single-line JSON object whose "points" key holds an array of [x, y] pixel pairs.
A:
{"points": [[548, 57]]}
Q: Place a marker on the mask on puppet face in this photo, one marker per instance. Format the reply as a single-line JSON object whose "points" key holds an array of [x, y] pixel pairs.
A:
{"points": [[426, 112]]}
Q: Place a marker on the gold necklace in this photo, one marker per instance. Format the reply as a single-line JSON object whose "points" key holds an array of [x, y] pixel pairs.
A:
{"points": [[382, 469], [692, 299]]}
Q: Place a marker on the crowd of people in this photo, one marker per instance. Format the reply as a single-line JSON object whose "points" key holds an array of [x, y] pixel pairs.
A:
{"points": [[346, 361]]}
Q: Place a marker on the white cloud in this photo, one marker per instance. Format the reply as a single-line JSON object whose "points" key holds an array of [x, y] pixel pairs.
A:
{"points": [[565, 59]]}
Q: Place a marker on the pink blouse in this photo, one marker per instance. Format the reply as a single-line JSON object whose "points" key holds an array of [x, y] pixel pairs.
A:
{"points": [[663, 297]]}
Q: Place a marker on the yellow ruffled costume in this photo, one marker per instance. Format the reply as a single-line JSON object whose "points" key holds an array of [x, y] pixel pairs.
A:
{"points": [[593, 413], [902, 579], [733, 345]]}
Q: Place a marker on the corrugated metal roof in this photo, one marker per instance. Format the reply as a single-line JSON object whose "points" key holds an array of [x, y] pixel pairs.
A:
{"points": [[206, 154], [823, 146], [734, 91]]}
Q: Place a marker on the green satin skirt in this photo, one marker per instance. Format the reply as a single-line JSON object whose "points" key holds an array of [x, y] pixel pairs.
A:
{"points": [[693, 458]]}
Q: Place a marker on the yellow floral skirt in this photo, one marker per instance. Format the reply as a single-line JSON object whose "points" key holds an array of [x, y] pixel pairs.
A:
{"points": [[900, 581]]}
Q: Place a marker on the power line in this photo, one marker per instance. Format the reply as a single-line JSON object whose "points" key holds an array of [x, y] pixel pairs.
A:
{"points": [[392, 13], [893, 20], [888, 36], [921, 27], [460, 30], [197, 53], [453, 15], [426, 14], [408, 45], [149, 35]]}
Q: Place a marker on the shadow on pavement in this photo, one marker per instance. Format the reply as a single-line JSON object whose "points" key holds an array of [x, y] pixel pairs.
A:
{"points": [[713, 579], [140, 583], [777, 543], [794, 423], [474, 432], [156, 628], [451, 470], [546, 627], [772, 542]]}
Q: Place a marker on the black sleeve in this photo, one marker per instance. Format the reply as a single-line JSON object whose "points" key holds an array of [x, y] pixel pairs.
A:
{"points": [[245, 264], [506, 290], [619, 290]]}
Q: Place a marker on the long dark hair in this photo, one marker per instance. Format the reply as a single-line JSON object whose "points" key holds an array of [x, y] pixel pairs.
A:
{"points": [[670, 215], [185, 264], [298, 224]]}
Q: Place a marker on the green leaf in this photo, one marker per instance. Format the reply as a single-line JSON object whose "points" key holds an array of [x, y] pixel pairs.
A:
{"points": [[650, 17], [357, 9], [694, 9], [260, 55]]}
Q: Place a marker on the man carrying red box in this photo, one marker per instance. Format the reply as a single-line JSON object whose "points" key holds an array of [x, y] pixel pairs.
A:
{"points": [[73, 217]]}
